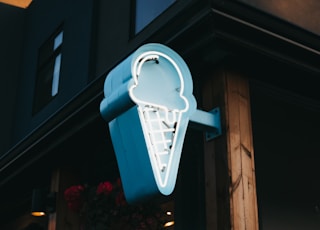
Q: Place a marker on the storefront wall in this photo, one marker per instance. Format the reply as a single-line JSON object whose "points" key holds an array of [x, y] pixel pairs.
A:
{"points": [[260, 174]]}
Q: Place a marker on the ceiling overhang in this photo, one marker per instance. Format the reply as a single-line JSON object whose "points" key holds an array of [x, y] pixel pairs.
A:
{"points": [[17, 3]]}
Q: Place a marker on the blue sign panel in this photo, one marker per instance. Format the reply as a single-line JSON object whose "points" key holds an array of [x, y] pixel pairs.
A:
{"points": [[148, 102]]}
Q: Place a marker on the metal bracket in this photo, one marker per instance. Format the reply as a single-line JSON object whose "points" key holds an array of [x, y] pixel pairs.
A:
{"points": [[208, 122]]}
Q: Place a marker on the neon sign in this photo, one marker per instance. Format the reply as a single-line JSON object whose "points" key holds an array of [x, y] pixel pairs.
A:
{"points": [[158, 89], [148, 104]]}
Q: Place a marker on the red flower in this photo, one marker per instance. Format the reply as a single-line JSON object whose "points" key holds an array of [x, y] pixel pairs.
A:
{"points": [[105, 205], [104, 188], [74, 197]]}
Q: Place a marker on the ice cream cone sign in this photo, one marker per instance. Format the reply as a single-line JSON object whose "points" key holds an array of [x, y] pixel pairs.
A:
{"points": [[148, 104], [162, 90]]}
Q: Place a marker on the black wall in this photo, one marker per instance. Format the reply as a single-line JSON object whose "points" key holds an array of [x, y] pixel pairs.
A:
{"points": [[42, 20], [11, 31]]}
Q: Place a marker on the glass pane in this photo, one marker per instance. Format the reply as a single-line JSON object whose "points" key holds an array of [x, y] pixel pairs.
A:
{"points": [[48, 73], [58, 40], [43, 86], [45, 52], [56, 75], [147, 10]]}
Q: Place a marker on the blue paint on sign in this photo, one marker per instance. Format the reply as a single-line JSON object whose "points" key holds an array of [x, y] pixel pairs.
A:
{"points": [[148, 102]]}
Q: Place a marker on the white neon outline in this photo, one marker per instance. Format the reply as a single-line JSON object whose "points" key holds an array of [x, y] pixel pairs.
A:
{"points": [[177, 114]]}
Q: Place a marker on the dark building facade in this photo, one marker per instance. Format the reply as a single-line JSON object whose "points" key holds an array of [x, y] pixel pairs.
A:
{"points": [[258, 61]]}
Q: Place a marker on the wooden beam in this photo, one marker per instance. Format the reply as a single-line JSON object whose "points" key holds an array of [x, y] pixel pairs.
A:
{"points": [[229, 159]]}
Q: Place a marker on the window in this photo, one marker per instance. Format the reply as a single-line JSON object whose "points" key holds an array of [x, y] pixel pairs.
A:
{"points": [[147, 10], [48, 73]]}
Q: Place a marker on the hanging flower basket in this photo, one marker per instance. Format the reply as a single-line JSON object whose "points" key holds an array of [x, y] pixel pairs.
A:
{"points": [[104, 207]]}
